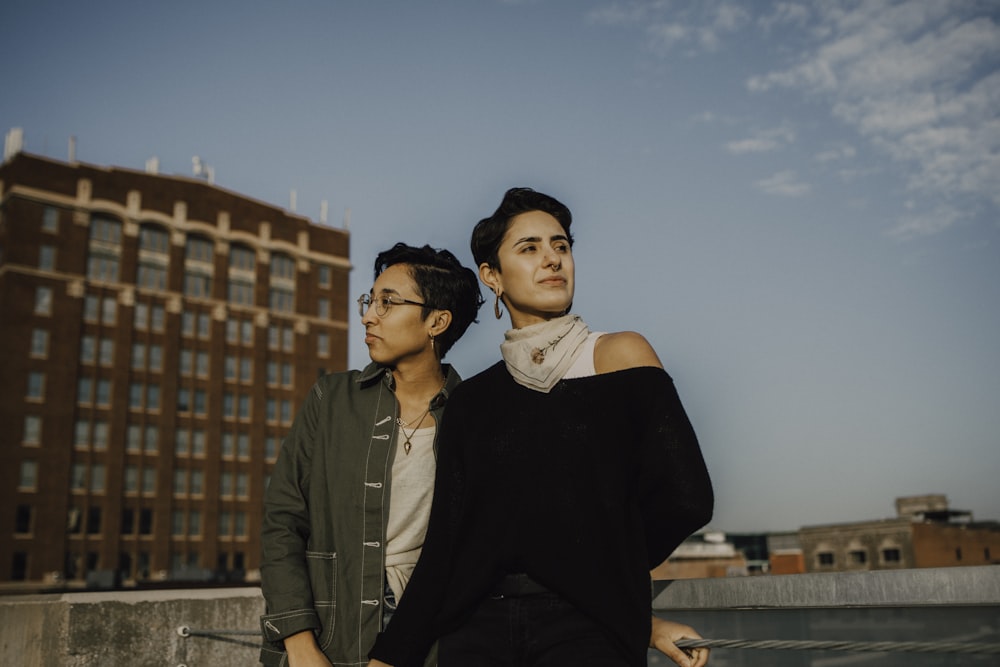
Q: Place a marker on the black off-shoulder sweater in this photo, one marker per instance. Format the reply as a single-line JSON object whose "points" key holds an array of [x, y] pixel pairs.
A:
{"points": [[585, 488]]}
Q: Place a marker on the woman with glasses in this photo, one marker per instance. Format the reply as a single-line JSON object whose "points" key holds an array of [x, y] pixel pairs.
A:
{"points": [[566, 472], [347, 505]]}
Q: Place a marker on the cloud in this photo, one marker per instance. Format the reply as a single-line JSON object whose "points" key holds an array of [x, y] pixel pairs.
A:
{"points": [[932, 222], [784, 184], [696, 27], [836, 153], [763, 142], [919, 79]]}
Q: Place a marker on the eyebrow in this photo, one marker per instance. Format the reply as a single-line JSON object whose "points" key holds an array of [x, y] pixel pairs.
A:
{"points": [[538, 239]]}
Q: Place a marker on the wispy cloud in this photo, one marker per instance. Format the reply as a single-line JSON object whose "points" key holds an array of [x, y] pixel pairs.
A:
{"points": [[920, 80], [695, 27], [763, 141], [836, 153], [784, 184]]}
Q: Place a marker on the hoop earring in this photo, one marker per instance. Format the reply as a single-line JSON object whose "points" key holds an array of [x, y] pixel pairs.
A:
{"points": [[496, 307]]}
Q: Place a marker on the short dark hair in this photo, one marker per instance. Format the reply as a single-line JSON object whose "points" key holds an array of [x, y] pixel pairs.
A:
{"points": [[489, 232], [443, 284]]}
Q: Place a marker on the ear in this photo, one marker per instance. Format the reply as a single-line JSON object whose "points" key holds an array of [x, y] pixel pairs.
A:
{"points": [[490, 277], [439, 321]]}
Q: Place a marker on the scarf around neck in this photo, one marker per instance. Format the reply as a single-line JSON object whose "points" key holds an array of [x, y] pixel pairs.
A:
{"points": [[537, 356]]}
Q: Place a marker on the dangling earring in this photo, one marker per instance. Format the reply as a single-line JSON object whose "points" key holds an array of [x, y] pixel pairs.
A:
{"points": [[496, 306]]}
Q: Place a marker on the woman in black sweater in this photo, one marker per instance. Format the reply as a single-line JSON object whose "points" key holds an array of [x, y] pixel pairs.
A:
{"points": [[565, 473]]}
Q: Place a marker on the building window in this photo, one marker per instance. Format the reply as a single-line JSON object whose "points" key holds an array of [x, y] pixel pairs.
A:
{"points": [[39, 343], [145, 528], [152, 439], [323, 275], [225, 524], [158, 318], [240, 529], [106, 351], [88, 349], [50, 219], [198, 442], [19, 566], [81, 435], [138, 356], [891, 555], [128, 521], [43, 301], [958, 554], [243, 407], [109, 310], [282, 294], [198, 267], [226, 484], [97, 478], [232, 331], [858, 556], [228, 405], [242, 486], [180, 482], [194, 523], [29, 476], [242, 270], [22, 519], [197, 485], [149, 481], [183, 400], [286, 411], [323, 344], [201, 364], [36, 386], [243, 445], [177, 523], [155, 357], [154, 257], [182, 442], [131, 478], [153, 397], [32, 430], [825, 559], [104, 249], [78, 477], [46, 258], [228, 445], [323, 308], [230, 367], [93, 528], [84, 390], [103, 395], [246, 332], [246, 369], [140, 318], [271, 448], [100, 440], [133, 438], [287, 339], [200, 402]]}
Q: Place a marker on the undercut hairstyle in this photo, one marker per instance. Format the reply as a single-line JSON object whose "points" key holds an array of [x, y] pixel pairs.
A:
{"points": [[489, 232], [443, 284]]}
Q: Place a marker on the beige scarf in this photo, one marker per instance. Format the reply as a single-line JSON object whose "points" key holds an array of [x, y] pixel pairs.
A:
{"points": [[538, 356]]}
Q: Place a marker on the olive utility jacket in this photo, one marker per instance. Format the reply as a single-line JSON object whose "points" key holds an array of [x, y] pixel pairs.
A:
{"points": [[326, 510]]}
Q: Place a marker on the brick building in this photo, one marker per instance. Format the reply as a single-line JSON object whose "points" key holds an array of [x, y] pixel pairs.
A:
{"points": [[157, 334], [924, 533]]}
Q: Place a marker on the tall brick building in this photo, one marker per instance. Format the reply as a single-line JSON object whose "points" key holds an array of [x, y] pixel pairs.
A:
{"points": [[157, 335]]}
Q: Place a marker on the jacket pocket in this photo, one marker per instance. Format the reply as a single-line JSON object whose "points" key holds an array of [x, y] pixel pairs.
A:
{"points": [[323, 579]]}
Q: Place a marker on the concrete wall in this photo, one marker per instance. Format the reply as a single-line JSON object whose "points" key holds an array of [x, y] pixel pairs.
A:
{"points": [[134, 628]]}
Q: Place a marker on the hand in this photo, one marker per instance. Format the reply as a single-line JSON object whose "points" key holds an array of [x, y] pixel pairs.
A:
{"points": [[663, 635], [303, 651]]}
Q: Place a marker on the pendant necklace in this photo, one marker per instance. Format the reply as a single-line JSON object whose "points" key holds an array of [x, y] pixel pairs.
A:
{"points": [[406, 438]]}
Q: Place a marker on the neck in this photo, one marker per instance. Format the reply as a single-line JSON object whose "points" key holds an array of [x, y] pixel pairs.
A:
{"points": [[419, 376]]}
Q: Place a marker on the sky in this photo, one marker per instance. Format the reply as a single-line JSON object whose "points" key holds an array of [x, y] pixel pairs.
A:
{"points": [[796, 203]]}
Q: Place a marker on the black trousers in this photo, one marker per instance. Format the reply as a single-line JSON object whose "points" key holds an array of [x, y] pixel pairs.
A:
{"points": [[533, 629]]}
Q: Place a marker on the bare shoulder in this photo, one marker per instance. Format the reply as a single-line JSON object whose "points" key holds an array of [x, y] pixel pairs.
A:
{"points": [[621, 350]]}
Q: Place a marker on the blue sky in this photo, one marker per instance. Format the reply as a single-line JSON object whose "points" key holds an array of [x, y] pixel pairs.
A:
{"points": [[798, 204]]}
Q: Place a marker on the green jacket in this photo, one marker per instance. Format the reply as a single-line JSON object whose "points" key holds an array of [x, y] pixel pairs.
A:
{"points": [[325, 514]]}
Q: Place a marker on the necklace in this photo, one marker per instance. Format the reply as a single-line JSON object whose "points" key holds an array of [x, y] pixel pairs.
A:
{"points": [[406, 438], [407, 445]]}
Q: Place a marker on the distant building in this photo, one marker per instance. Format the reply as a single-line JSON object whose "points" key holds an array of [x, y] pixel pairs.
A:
{"points": [[701, 556], [925, 533], [157, 335]]}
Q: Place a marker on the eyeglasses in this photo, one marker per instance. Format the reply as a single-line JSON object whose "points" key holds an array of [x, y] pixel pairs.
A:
{"points": [[383, 303]]}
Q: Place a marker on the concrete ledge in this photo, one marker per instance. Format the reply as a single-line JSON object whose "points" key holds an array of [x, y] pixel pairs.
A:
{"points": [[129, 628], [953, 586]]}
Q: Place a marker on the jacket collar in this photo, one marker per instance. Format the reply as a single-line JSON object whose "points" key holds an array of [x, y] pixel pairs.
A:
{"points": [[373, 371]]}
